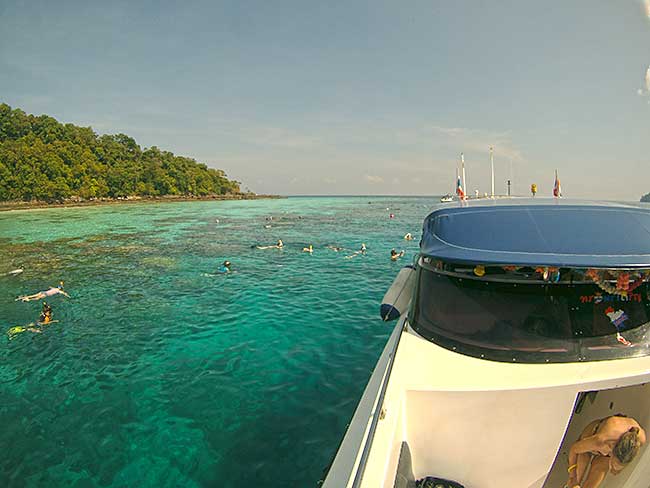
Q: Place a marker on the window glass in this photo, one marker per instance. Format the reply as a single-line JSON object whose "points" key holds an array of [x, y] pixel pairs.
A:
{"points": [[531, 314]]}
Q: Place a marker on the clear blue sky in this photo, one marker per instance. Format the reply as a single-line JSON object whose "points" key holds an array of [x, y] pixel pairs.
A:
{"points": [[352, 97]]}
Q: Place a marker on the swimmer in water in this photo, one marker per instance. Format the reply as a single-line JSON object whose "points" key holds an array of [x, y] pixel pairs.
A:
{"points": [[334, 248], [394, 255], [279, 245], [408, 236], [15, 272], [362, 250], [224, 268], [44, 294], [44, 319], [309, 249], [46, 314]]}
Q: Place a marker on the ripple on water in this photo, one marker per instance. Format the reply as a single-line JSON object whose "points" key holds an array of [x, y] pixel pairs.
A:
{"points": [[160, 373]]}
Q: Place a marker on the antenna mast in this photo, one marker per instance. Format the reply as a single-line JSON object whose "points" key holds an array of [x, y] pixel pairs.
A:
{"points": [[462, 164], [492, 169]]}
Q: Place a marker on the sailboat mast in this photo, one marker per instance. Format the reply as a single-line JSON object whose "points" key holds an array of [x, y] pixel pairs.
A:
{"points": [[492, 169], [462, 164]]}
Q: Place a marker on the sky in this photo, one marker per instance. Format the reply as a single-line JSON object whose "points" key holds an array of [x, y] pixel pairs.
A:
{"points": [[352, 97]]}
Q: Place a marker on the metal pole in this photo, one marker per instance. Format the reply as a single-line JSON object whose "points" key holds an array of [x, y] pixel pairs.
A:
{"points": [[462, 163], [492, 169]]}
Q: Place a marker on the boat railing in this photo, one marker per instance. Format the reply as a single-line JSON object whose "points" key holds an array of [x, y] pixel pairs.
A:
{"points": [[358, 437], [378, 406]]}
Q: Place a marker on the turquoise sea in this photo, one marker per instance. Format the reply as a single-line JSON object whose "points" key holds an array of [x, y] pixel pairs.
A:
{"points": [[162, 374]]}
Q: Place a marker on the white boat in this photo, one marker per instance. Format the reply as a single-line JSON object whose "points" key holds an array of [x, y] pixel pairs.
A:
{"points": [[520, 332], [447, 198]]}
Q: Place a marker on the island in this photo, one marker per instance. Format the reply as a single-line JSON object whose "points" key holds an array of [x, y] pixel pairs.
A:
{"points": [[45, 162]]}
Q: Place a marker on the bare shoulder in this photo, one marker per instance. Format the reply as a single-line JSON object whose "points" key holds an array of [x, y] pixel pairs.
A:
{"points": [[588, 431], [619, 425]]}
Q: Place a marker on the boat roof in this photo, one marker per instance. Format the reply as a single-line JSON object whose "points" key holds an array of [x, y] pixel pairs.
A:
{"points": [[539, 232]]}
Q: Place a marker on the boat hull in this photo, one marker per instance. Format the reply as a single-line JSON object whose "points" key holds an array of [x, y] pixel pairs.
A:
{"points": [[484, 424]]}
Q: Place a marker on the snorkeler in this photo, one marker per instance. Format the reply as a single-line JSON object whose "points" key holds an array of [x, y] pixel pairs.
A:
{"points": [[44, 294], [394, 255], [46, 314], [44, 319], [224, 268], [408, 236], [309, 249], [362, 250], [279, 245]]}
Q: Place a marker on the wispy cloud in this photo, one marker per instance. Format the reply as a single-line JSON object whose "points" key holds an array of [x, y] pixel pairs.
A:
{"points": [[373, 179], [263, 135], [449, 131], [467, 139], [280, 137], [644, 91]]}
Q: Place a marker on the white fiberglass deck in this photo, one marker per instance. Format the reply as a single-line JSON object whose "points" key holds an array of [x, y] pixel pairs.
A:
{"points": [[489, 424]]}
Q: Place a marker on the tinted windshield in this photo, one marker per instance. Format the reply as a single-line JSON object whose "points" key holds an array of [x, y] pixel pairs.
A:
{"points": [[529, 316]]}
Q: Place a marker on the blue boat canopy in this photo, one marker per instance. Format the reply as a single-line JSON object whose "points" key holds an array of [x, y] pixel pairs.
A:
{"points": [[551, 233]]}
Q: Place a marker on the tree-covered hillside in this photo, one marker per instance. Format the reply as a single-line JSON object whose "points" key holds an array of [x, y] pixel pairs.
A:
{"points": [[42, 159]]}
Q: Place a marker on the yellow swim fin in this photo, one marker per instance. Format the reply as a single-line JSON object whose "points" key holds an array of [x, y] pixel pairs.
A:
{"points": [[14, 331]]}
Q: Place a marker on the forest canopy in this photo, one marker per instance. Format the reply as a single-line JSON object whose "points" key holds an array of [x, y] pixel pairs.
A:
{"points": [[42, 159]]}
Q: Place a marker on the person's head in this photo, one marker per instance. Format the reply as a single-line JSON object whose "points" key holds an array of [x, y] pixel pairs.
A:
{"points": [[279, 242], [625, 450], [226, 263], [393, 252], [60, 284]]}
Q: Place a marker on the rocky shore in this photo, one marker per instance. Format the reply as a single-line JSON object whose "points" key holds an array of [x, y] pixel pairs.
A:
{"points": [[78, 202]]}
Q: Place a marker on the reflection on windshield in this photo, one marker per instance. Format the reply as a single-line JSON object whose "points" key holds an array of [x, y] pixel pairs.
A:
{"points": [[533, 314]]}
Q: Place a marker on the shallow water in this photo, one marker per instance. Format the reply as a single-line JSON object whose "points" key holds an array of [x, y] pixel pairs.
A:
{"points": [[161, 373]]}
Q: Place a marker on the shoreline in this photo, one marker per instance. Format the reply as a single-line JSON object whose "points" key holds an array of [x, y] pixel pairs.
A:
{"points": [[19, 205]]}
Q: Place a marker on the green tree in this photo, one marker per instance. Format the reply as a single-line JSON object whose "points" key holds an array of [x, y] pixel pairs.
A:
{"points": [[42, 159]]}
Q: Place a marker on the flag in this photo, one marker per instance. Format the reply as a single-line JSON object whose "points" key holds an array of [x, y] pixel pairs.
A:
{"points": [[459, 189], [557, 190]]}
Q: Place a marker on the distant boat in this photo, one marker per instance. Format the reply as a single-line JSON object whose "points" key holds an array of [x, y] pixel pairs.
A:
{"points": [[503, 335], [447, 198]]}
